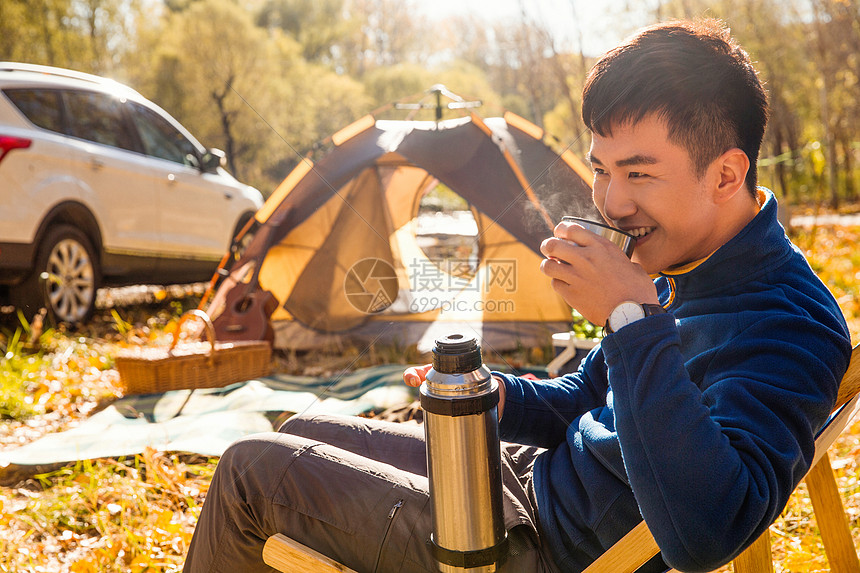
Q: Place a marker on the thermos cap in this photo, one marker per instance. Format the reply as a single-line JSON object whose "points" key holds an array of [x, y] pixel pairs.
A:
{"points": [[456, 354]]}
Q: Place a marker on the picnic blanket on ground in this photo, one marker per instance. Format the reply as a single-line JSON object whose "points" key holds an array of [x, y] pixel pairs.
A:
{"points": [[206, 421]]}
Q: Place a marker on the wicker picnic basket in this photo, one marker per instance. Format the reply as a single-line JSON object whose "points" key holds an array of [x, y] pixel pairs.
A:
{"points": [[189, 365]]}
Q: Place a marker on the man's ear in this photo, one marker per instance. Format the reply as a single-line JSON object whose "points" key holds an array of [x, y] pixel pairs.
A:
{"points": [[730, 171]]}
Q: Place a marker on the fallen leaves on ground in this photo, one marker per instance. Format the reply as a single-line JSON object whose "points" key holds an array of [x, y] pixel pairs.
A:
{"points": [[138, 514]]}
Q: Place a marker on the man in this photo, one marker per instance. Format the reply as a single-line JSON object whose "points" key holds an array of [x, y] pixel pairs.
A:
{"points": [[698, 410]]}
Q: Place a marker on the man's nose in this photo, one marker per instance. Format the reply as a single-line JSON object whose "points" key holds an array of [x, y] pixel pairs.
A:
{"points": [[617, 201]]}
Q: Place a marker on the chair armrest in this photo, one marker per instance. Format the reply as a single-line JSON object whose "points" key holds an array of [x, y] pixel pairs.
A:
{"points": [[285, 554], [628, 554]]}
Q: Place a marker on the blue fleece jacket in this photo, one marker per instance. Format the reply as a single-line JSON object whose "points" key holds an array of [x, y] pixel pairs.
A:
{"points": [[702, 420]]}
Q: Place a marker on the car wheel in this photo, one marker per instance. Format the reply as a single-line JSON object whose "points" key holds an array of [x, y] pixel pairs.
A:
{"points": [[65, 278]]}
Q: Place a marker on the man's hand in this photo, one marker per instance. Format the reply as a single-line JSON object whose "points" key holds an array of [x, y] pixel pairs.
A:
{"points": [[592, 274], [415, 376]]}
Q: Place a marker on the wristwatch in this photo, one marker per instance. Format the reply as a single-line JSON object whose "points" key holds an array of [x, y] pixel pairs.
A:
{"points": [[628, 312]]}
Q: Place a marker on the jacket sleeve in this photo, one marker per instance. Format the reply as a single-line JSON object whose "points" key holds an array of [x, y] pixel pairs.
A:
{"points": [[713, 465], [538, 412]]}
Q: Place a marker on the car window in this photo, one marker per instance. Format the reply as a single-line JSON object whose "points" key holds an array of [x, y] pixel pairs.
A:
{"points": [[42, 107], [98, 117], [161, 139]]}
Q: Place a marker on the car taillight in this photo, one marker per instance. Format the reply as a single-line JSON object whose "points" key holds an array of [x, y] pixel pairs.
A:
{"points": [[8, 143]]}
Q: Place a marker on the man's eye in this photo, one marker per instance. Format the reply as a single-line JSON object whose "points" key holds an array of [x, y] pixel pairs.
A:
{"points": [[636, 175], [598, 171]]}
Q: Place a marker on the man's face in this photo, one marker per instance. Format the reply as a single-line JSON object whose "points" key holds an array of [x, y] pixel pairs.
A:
{"points": [[646, 185]]}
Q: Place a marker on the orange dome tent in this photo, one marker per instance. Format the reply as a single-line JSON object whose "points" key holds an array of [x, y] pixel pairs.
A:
{"points": [[336, 242]]}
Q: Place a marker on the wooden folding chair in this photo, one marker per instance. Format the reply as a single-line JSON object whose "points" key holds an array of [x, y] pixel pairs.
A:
{"points": [[638, 546]]}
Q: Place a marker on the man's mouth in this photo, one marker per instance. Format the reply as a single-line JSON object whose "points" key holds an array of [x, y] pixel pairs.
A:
{"points": [[639, 232]]}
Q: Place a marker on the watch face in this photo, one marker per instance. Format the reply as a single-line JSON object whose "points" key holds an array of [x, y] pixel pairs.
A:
{"points": [[624, 314]]}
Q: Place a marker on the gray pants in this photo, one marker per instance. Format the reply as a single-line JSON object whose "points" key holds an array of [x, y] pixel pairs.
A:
{"points": [[354, 489]]}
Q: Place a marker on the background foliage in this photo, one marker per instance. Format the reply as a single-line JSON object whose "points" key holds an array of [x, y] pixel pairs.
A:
{"points": [[267, 79]]}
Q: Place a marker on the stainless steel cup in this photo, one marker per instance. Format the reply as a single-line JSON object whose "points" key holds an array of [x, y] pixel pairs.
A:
{"points": [[461, 424], [624, 240]]}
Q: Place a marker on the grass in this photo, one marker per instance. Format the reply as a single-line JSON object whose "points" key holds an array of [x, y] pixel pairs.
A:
{"points": [[137, 514], [133, 514]]}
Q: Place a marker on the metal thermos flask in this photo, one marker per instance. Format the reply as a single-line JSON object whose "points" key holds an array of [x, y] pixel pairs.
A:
{"points": [[460, 401]]}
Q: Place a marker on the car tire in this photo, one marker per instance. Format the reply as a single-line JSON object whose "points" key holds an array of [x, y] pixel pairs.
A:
{"points": [[71, 280]]}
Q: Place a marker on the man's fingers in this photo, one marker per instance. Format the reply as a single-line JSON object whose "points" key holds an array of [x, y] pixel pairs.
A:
{"points": [[576, 233], [414, 375], [561, 251]]}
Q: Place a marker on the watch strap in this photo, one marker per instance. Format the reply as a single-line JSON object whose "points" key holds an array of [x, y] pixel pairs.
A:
{"points": [[649, 310]]}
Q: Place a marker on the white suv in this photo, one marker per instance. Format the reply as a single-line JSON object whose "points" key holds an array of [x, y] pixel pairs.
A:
{"points": [[101, 187]]}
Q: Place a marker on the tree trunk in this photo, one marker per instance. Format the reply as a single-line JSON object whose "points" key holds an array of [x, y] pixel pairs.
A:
{"points": [[779, 166], [850, 188], [47, 34], [824, 67], [226, 125], [829, 146]]}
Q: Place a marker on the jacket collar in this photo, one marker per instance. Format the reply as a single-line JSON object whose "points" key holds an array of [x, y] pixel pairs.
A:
{"points": [[759, 247]]}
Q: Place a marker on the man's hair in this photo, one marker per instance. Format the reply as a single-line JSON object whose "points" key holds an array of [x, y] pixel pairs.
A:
{"points": [[692, 75]]}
